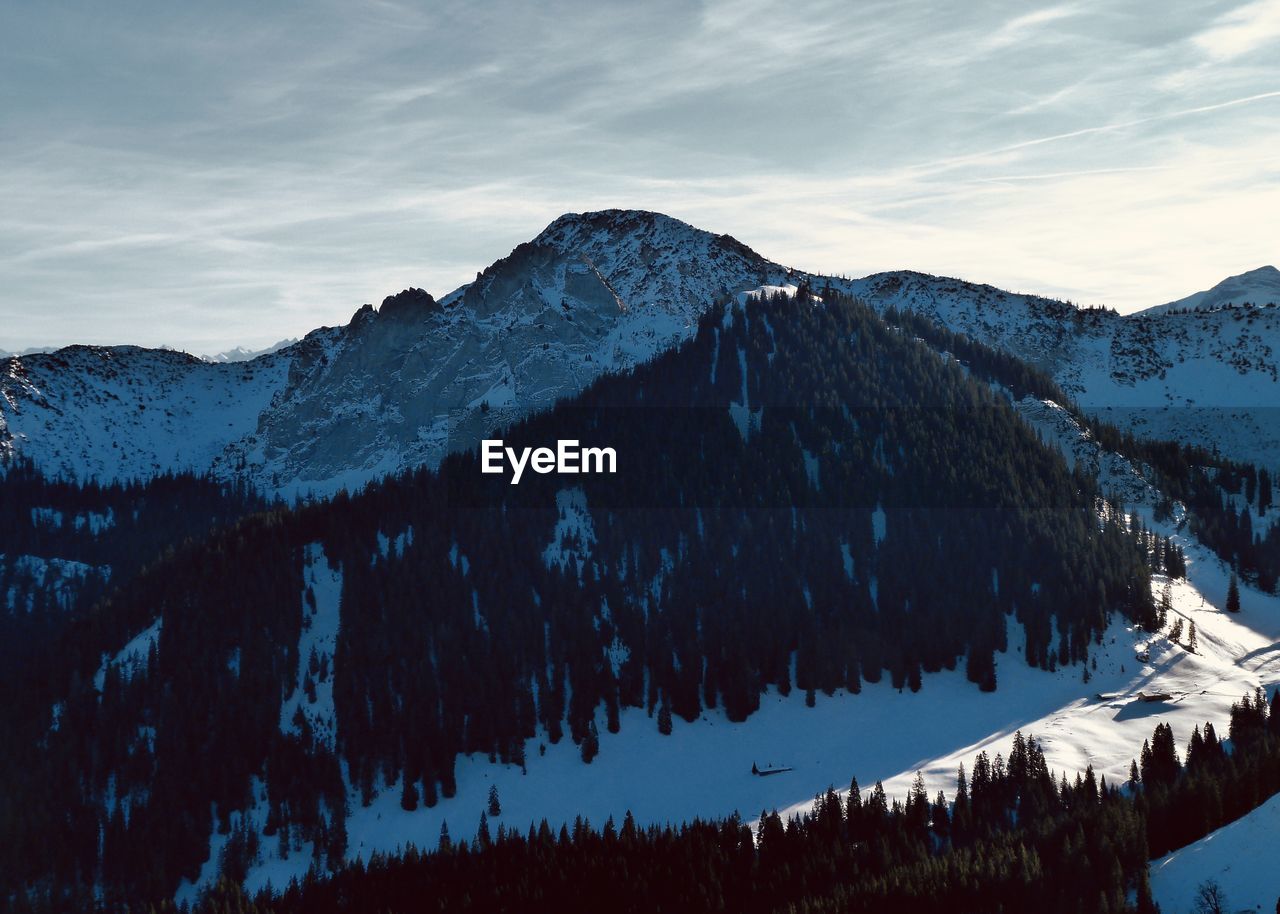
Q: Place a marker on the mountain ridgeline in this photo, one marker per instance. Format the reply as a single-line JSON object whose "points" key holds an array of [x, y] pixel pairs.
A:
{"points": [[807, 498], [592, 293]]}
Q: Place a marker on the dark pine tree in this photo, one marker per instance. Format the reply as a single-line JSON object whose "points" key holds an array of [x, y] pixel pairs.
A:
{"points": [[664, 719], [409, 795]]}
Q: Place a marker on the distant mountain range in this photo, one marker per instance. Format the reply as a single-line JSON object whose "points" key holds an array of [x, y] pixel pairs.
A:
{"points": [[242, 354], [237, 354], [33, 350], [403, 384]]}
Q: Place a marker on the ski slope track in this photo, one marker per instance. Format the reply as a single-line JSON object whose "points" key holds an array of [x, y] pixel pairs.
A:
{"points": [[401, 385]]}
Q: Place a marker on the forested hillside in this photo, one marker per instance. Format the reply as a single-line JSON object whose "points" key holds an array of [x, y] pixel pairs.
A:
{"points": [[1230, 502], [64, 544], [806, 498], [61, 540]]}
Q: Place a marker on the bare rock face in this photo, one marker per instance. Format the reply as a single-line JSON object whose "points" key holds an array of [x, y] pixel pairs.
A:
{"points": [[403, 385], [409, 305]]}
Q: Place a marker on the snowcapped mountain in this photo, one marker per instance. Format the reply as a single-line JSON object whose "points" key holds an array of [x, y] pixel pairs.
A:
{"points": [[244, 354], [397, 386], [1257, 287], [124, 412], [1202, 377], [402, 384]]}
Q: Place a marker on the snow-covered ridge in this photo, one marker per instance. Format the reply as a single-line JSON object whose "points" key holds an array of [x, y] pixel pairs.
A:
{"points": [[124, 412], [1258, 287], [1203, 377], [401, 385], [20, 574]]}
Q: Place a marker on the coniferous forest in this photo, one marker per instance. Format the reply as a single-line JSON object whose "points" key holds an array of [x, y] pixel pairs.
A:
{"points": [[1220, 494], [64, 544], [808, 497]]}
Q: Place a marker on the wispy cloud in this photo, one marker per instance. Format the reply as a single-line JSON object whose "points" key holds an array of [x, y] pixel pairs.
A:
{"points": [[1242, 30], [212, 176]]}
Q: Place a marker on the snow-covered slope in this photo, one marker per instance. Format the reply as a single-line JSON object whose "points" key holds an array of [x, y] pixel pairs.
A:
{"points": [[124, 412], [1256, 287], [594, 292], [1207, 377], [1239, 857]]}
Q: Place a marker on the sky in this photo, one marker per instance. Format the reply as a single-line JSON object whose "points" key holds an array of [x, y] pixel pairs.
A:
{"points": [[211, 175]]}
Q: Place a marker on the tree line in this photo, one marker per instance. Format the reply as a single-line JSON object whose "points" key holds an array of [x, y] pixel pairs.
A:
{"points": [[1011, 837]]}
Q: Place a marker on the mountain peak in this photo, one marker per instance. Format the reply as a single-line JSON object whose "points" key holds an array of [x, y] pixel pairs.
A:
{"points": [[410, 303], [1260, 286], [610, 222], [613, 227]]}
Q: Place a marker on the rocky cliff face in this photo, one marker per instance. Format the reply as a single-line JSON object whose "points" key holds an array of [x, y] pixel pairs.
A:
{"points": [[405, 383]]}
